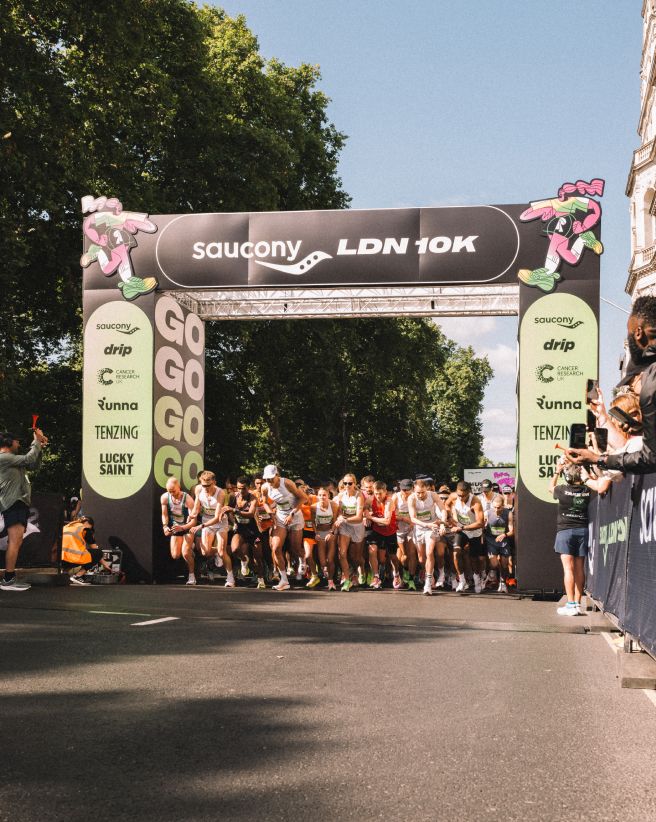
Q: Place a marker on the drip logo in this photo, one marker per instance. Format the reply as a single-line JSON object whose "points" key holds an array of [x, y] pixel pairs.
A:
{"points": [[102, 376], [540, 373]]}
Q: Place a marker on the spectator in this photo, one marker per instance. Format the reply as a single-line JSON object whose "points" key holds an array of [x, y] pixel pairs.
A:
{"points": [[15, 498], [640, 380]]}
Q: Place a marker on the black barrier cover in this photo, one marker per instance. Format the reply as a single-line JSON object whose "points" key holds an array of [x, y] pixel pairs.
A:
{"points": [[640, 619], [610, 520], [42, 539]]}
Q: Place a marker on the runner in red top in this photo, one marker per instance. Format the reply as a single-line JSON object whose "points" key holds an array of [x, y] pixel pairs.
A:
{"points": [[382, 540]]}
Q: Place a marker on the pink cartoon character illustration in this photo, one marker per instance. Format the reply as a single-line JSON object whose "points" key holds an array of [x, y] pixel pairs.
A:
{"points": [[111, 233], [570, 219]]}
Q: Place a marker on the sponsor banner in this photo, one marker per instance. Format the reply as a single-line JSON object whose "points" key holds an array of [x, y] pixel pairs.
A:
{"points": [[453, 246], [502, 475], [42, 539], [179, 394], [610, 521], [117, 405], [640, 616], [558, 353]]}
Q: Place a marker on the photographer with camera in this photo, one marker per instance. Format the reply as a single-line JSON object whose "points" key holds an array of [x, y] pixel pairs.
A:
{"points": [[15, 498], [640, 381]]}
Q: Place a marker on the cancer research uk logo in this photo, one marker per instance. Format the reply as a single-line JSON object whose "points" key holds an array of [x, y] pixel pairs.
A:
{"points": [[108, 376], [548, 373]]}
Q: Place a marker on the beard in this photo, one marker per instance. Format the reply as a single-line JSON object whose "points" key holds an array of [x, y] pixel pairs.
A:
{"points": [[635, 351]]}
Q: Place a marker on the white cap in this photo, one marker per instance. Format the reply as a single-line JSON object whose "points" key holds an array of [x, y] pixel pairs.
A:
{"points": [[270, 472]]}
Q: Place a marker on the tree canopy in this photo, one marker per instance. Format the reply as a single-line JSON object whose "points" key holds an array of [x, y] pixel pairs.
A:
{"points": [[172, 108]]}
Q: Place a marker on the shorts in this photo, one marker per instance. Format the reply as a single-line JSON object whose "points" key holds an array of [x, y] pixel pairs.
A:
{"points": [[310, 536], [498, 549], [384, 542], [573, 542], [477, 547], [403, 530], [247, 532], [456, 539], [322, 536], [354, 530], [297, 522], [424, 536], [16, 514], [217, 528]]}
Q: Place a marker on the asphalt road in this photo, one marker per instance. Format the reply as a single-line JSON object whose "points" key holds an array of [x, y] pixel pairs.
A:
{"points": [[312, 706]]}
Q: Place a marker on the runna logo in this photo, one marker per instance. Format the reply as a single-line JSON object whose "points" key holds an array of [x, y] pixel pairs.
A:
{"points": [[540, 373], [102, 376]]}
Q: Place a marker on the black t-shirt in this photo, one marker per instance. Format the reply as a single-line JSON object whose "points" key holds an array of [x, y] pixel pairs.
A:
{"points": [[573, 501]]}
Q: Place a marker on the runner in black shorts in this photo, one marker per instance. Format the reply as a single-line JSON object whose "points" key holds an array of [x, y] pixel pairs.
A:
{"points": [[245, 543], [381, 541]]}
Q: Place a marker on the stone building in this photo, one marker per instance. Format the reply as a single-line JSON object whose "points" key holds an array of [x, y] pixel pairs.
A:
{"points": [[641, 185]]}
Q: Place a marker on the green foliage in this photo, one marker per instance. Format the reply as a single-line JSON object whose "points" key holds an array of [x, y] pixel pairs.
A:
{"points": [[171, 108], [320, 397], [164, 104]]}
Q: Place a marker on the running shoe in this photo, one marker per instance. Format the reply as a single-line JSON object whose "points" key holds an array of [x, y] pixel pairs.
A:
{"points": [[591, 242], [406, 576], [331, 585], [346, 584], [441, 580], [218, 561], [370, 578], [503, 588], [313, 581], [282, 586], [428, 591], [411, 585], [362, 578], [538, 278], [79, 581], [478, 587], [230, 583], [191, 581], [261, 584], [571, 609], [245, 570], [397, 583], [376, 584], [462, 585], [13, 585]]}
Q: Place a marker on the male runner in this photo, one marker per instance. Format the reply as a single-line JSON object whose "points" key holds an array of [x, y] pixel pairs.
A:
{"points": [[177, 524], [245, 541], [467, 512], [423, 510], [210, 504], [288, 521], [406, 551], [382, 543]]}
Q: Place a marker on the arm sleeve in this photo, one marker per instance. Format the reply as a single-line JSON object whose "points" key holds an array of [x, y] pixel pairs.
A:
{"points": [[30, 460]]}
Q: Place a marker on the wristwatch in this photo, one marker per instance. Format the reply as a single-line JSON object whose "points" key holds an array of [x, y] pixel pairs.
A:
{"points": [[601, 462]]}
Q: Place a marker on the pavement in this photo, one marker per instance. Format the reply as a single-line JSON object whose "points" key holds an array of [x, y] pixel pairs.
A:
{"points": [[312, 705]]}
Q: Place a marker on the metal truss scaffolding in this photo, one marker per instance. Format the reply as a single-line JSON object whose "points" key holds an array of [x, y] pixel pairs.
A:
{"points": [[391, 301]]}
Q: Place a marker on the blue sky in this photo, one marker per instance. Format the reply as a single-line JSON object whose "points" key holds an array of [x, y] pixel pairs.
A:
{"points": [[490, 101]]}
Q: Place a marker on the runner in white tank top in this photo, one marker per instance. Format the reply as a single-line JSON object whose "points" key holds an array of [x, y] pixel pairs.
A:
{"points": [[177, 523], [350, 526], [405, 533], [324, 513], [210, 506], [288, 520], [423, 506]]}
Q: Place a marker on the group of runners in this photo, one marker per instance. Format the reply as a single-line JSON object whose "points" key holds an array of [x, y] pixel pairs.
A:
{"points": [[344, 535]]}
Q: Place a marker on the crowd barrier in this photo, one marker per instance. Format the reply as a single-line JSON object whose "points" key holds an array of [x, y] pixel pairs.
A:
{"points": [[621, 572]]}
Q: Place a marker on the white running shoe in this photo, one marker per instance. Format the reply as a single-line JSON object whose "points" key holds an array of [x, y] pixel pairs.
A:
{"points": [[428, 590], [568, 610], [503, 588], [441, 580], [478, 586], [218, 561], [462, 585], [281, 586], [191, 580], [454, 582], [230, 581]]}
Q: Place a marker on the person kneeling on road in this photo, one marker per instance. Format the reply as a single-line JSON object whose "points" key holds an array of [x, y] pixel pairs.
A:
{"points": [[79, 550]]}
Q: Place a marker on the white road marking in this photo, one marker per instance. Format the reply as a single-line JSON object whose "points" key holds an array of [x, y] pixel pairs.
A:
{"points": [[120, 613], [156, 621]]}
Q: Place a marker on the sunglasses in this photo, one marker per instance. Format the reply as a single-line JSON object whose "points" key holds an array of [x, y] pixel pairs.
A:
{"points": [[348, 483], [206, 484]]}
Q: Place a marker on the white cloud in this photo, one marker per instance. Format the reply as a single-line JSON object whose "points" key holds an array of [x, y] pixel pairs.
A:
{"points": [[500, 449], [466, 330], [503, 358], [494, 415]]}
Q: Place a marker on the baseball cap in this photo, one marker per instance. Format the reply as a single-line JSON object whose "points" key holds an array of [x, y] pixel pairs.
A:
{"points": [[444, 489], [507, 489], [269, 472], [487, 484], [405, 485]]}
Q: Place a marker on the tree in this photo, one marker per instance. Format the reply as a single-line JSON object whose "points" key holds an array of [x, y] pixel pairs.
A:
{"points": [[168, 106]]}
